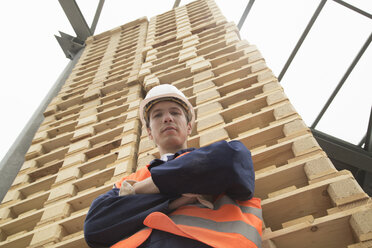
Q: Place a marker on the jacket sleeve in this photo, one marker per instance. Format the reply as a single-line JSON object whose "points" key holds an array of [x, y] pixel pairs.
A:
{"points": [[223, 167], [112, 217]]}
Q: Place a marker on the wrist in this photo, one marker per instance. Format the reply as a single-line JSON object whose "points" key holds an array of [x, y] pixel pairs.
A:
{"points": [[146, 186]]}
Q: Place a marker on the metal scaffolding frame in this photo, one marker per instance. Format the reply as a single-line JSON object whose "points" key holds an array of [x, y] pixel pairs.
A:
{"points": [[344, 155]]}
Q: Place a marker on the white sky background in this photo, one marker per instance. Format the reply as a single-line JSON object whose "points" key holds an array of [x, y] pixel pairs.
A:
{"points": [[31, 59]]}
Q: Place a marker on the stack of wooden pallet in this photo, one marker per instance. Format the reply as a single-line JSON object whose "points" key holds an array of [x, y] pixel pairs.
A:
{"points": [[92, 136], [89, 139]]}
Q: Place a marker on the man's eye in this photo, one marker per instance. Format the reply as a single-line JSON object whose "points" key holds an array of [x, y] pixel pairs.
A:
{"points": [[157, 115], [175, 113]]}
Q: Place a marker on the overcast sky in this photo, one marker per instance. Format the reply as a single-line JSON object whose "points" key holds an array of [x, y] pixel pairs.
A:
{"points": [[32, 59]]}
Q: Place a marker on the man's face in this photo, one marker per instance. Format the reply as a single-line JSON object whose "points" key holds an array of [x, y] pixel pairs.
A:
{"points": [[168, 126]]}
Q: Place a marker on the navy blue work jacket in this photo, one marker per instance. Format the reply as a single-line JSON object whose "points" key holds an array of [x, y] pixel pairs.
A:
{"points": [[222, 167]]}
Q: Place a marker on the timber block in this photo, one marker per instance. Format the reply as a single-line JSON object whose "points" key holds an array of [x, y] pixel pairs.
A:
{"points": [[366, 244], [209, 108], [200, 66], [194, 61], [49, 235], [28, 164], [133, 125], [92, 94], [275, 98], [49, 119], [190, 38], [39, 137], [345, 191], [361, 223], [190, 43], [87, 112], [213, 136], [68, 174], [74, 160], [78, 146], [92, 104], [231, 38], [151, 81], [207, 96], [34, 151], [303, 146], [210, 121], [259, 66], [187, 56], [319, 168], [54, 213], [146, 145], [129, 138], [151, 51], [61, 192], [50, 110], [132, 114], [88, 120], [21, 179], [145, 160], [144, 72], [256, 56], [201, 76], [6, 214], [124, 167], [183, 33], [127, 151], [203, 86], [187, 50], [146, 65], [151, 57], [264, 75], [348, 206], [293, 128], [83, 133], [284, 111], [12, 196]]}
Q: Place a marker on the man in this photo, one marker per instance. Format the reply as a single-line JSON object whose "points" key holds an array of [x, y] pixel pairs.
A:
{"points": [[188, 198]]}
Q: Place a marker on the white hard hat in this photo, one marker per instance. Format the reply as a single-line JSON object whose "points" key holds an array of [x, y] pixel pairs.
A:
{"points": [[165, 92]]}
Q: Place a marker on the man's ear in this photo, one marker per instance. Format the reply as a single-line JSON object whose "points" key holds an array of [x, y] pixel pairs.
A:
{"points": [[149, 132], [189, 128]]}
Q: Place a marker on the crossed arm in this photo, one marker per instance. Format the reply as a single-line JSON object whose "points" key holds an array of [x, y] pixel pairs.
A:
{"points": [[219, 168]]}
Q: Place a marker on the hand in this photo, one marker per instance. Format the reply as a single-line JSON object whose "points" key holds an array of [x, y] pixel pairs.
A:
{"points": [[146, 186], [127, 188], [183, 200]]}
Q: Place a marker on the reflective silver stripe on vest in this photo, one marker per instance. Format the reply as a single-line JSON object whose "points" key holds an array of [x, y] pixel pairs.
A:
{"points": [[227, 200], [239, 227]]}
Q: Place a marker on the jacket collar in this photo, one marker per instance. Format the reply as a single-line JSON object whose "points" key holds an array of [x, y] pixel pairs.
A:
{"points": [[157, 162]]}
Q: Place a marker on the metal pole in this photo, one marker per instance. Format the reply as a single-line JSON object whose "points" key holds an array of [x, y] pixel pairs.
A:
{"points": [[362, 12], [76, 19], [302, 38], [176, 4], [14, 158], [346, 75], [368, 140], [245, 13], [363, 140], [96, 16]]}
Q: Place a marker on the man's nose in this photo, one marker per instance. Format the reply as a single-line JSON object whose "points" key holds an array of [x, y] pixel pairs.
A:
{"points": [[167, 117]]}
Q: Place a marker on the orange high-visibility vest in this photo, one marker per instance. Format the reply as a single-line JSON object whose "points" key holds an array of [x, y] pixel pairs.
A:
{"points": [[229, 224]]}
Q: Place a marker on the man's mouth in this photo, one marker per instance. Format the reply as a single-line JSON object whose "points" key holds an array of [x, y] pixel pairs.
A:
{"points": [[169, 128]]}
